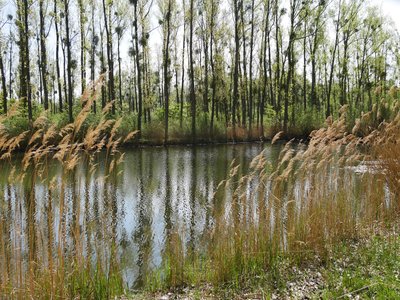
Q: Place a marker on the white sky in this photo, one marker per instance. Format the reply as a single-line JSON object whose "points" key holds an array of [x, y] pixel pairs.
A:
{"points": [[390, 8]]}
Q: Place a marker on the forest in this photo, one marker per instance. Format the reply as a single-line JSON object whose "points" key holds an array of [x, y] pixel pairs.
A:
{"points": [[208, 149], [198, 70]]}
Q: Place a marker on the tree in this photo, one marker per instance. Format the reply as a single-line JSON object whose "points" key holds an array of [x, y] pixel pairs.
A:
{"points": [[245, 62], [315, 40], [110, 54], [56, 22], [3, 83], [25, 92], [69, 60], [251, 67], [235, 95], [333, 58], [120, 29], [94, 44], [82, 21], [138, 67], [191, 73], [183, 65], [212, 13], [166, 62], [43, 52]]}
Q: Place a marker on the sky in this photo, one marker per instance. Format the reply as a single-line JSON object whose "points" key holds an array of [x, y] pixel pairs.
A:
{"points": [[390, 8]]}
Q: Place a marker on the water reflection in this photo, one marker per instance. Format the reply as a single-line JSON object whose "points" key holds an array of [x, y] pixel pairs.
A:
{"points": [[132, 213]]}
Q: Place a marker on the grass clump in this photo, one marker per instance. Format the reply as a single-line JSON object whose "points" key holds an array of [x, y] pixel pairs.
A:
{"points": [[48, 249], [300, 209], [368, 269]]}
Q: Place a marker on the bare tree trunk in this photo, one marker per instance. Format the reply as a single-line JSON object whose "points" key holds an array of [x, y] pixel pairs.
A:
{"points": [[60, 99], [103, 70], [166, 73], [192, 91], [43, 53], [25, 79], [235, 95], [183, 67], [83, 42], [119, 70], [332, 67], [244, 61], [3, 84], [213, 83], [251, 69], [278, 60], [95, 41], [27, 60], [305, 67], [138, 71], [110, 55], [69, 63]]}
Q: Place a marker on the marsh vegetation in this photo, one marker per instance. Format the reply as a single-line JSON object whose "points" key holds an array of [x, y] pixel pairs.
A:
{"points": [[86, 212], [81, 218]]}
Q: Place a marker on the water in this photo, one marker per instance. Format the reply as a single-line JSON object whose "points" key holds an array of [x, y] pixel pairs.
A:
{"points": [[156, 191]]}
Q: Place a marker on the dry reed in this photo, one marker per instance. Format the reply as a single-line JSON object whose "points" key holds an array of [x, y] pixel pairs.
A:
{"points": [[64, 268]]}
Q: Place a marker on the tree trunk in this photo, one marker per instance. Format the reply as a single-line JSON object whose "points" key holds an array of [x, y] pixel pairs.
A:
{"points": [[60, 98], [93, 57], [69, 59], [166, 73], [110, 55], [119, 72], [244, 92], [213, 83], [235, 95], [332, 67], [103, 70], [183, 67], [83, 42], [251, 69], [25, 79], [3, 84], [192, 91], [43, 53], [138, 71]]}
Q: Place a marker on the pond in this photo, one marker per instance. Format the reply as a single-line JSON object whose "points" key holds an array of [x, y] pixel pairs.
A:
{"points": [[156, 192]]}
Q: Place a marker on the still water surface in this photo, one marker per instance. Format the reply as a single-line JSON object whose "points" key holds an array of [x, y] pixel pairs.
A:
{"points": [[156, 191]]}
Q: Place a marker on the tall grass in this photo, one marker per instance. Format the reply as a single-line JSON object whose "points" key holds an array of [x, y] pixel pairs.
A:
{"points": [[299, 209], [53, 245], [37, 259]]}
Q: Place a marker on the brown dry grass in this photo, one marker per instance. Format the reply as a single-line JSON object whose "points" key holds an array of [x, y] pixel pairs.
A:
{"points": [[48, 271], [311, 201]]}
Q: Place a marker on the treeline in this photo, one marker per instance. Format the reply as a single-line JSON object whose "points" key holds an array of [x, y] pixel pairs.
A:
{"points": [[201, 64]]}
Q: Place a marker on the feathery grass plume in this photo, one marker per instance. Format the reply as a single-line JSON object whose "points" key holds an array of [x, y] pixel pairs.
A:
{"points": [[59, 273], [131, 135], [49, 135], [36, 135], [277, 137], [303, 215], [40, 121]]}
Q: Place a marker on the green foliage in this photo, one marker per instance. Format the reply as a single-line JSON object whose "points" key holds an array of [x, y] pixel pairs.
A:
{"points": [[16, 125], [306, 122], [87, 282], [368, 270]]}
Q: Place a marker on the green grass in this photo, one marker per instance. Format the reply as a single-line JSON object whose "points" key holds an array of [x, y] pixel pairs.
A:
{"points": [[363, 269], [370, 270]]}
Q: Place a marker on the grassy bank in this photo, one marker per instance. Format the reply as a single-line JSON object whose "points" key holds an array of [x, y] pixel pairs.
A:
{"points": [[367, 268]]}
